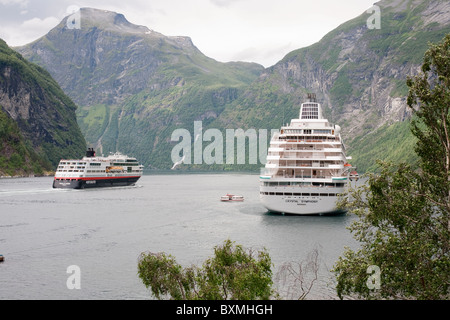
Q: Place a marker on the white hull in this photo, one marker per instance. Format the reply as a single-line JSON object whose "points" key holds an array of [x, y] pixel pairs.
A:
{"points": [[300, 205], [318, 201]]}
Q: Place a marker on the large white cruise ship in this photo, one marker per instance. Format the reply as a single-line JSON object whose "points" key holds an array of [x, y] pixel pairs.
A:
{"points": [[93, 172], [306, 166]]}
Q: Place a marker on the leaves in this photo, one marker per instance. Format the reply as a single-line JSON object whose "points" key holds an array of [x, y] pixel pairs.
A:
{"points": [[404, 225], [232, 274]]}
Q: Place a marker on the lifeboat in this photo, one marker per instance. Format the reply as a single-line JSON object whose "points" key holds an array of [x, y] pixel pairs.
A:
{"points": [[231, 197], [114, 169], [354, 176]]}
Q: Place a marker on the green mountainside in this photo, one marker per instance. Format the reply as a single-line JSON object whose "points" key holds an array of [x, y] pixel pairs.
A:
{"points": [[359, 75], [37, 120], [17, 157], [135, 86]]}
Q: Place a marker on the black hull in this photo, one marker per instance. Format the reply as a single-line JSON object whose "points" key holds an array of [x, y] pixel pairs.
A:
{"points": [[94, 183]]}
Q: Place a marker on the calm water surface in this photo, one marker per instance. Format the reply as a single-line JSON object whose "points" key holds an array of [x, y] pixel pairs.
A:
{"points": [[44, 231]]}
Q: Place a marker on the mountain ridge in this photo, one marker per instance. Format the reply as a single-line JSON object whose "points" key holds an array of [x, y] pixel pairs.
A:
{"points": [[132, 86], [359, 75], [135, 88]]}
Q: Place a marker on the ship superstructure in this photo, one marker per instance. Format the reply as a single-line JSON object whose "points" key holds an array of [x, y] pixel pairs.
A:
{"points": [[306, 165], [92, 171]]}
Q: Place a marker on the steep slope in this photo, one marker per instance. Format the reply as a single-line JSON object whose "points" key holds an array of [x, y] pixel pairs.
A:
{"points": [[359, 74], [134, 86], [37, 120], [17, 158]]}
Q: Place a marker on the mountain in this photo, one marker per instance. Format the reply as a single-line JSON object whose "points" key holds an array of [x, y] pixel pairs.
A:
{"points": [[37, 120], [133, 85], [359, 75]]}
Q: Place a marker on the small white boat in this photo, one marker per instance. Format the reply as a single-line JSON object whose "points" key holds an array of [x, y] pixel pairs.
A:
{"points": [[231, 197], [354, 176]]}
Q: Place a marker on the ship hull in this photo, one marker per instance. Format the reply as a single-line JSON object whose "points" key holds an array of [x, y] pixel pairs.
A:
{"points": [[295, 202], [300, 206], [97, 182]]}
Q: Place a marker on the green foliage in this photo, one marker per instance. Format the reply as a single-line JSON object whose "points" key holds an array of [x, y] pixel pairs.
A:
{"points": [[16, 155], [162, 274], [341, 90], [430, 92], [404, 214], [401, 233], [232, 274], [394, 143], [51, 129]]}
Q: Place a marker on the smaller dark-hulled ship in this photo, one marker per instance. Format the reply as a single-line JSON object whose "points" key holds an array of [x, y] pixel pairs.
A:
{"points": [[116, 170]]}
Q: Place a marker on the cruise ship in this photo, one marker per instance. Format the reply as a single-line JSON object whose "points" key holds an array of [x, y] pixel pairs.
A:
{"points": [[93, 172], [306, 167]]}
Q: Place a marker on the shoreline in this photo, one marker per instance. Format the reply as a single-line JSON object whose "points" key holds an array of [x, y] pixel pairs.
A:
{"points": [[146, 173], [48, 174]]}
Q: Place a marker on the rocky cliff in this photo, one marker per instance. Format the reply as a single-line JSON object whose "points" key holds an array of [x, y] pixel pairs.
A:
{"points": [[134, 85], [38, 121], [359, 74]]}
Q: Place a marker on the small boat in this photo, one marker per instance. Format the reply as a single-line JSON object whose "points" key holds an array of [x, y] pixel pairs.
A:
{"points": [[231, 197], [2, 258], [354, 176]]}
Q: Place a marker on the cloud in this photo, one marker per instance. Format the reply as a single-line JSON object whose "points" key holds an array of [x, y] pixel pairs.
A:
{"points": [[262, 31], [28, 31], [223, 3], [21, 3]]}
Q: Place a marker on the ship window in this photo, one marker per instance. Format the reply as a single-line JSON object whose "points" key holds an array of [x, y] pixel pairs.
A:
{"points": [[321, 131], [317, 184], [310, 111]]}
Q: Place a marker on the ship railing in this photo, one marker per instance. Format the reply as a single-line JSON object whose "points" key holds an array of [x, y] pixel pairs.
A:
{"points": [[300, 184], [290, 176]]}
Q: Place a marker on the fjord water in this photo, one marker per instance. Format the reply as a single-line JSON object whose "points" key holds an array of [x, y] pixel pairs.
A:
{"points": [[43, 231]]}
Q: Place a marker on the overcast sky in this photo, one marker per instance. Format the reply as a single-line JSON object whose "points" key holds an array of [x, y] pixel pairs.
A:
{"points": [[261, 31]]}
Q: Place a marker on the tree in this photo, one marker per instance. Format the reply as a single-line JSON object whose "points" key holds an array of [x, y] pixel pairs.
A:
{"points": [[296, 279], [232, 274], [404, 226]]}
